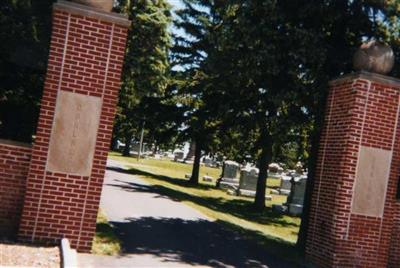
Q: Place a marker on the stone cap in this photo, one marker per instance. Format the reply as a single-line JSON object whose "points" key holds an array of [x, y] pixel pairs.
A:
{"points": [[15, 143], [91, 12], [374, 77]]}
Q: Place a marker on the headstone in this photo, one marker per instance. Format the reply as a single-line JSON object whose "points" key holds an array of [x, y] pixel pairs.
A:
{"points": [[248, 182], [231, 169], [296, 198], [275, 168], [248, 179], [209, 162], [286, 185], [190, 156], [229, 178], [178, 156]]}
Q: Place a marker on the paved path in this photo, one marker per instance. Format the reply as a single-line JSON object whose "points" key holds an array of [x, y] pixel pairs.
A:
{"points": [[157, 231]]}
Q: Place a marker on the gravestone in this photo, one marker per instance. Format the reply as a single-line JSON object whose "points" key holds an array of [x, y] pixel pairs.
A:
{"points": [[248, 182], [209, 162], [191, 154], [286, 185], [178, 156], [230, 173], [296, 198]]}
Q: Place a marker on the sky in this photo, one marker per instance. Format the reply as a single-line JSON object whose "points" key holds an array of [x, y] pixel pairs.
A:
{"points": [[175, 3]]}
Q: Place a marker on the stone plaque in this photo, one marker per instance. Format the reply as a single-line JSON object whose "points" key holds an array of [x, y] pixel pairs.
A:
{"points": [[371, 181], [74, 132]]}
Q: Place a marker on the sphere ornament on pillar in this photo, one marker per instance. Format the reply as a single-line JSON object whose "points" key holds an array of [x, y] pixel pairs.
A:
{"points": [[104, 5], [375, 57]]}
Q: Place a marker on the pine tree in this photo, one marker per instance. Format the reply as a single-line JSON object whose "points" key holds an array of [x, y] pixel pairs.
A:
{"points": [[146, 68], [190, 53], [25, 28]]}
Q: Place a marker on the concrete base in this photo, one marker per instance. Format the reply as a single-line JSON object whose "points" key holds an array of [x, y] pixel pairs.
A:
{"points": [[250, 193], [230, 180], [284, 192], [207, 178], [282, 209], [68, 255], [228, 185], [295, 209], [273, 191]]}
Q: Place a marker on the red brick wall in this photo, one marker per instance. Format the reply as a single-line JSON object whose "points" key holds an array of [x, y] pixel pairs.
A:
{"points": [[394, 254], [14, 164], [86, 57], [361, 111]]}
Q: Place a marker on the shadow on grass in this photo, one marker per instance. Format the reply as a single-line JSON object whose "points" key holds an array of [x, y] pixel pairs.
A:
{"points": [[176, 181], [201, 242], [105, 231], [237, 207], [105, 242]]}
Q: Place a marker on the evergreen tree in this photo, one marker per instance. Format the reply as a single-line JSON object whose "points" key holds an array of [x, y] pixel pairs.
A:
{"points": [[198, 19], [146, 68], [25, 28]]}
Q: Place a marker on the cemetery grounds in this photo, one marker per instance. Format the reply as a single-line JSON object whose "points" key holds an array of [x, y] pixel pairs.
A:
{"points": [[276, 232]]}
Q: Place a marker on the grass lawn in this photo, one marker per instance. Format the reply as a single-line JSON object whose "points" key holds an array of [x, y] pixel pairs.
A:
{"points": [[105, 242], [277, 232]]}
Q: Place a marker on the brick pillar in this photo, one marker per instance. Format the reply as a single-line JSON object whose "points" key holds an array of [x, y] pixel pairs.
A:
{"points": [[394, 253], [353, 203], [74, 131]]}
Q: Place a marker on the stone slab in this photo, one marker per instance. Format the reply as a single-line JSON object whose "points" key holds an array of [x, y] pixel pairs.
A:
{"points": [[371, 181], [74, 132], [207, 178], [295, 209]]}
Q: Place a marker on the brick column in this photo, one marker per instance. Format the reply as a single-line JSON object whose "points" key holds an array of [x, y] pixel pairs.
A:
{"points": [[69, 154], [394, 253], [353, 203]]}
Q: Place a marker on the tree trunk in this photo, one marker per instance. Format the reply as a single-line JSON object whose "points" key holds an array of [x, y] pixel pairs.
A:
{"points": [[264, 161], [221, 176], [194, 179], [155, 149], [127, 148], [114, 143]]}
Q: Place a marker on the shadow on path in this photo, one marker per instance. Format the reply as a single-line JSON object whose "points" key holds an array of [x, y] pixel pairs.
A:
{"points": [[236, 207], [194, 242], [202, 242]]}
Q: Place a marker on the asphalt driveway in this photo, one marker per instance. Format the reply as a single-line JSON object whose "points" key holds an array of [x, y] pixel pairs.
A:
{"points": [[157, 231]]}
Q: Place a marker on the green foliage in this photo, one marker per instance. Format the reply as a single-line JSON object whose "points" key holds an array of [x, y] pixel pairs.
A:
{"points": [[191, 53], [24, 43], [146, 70]]}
